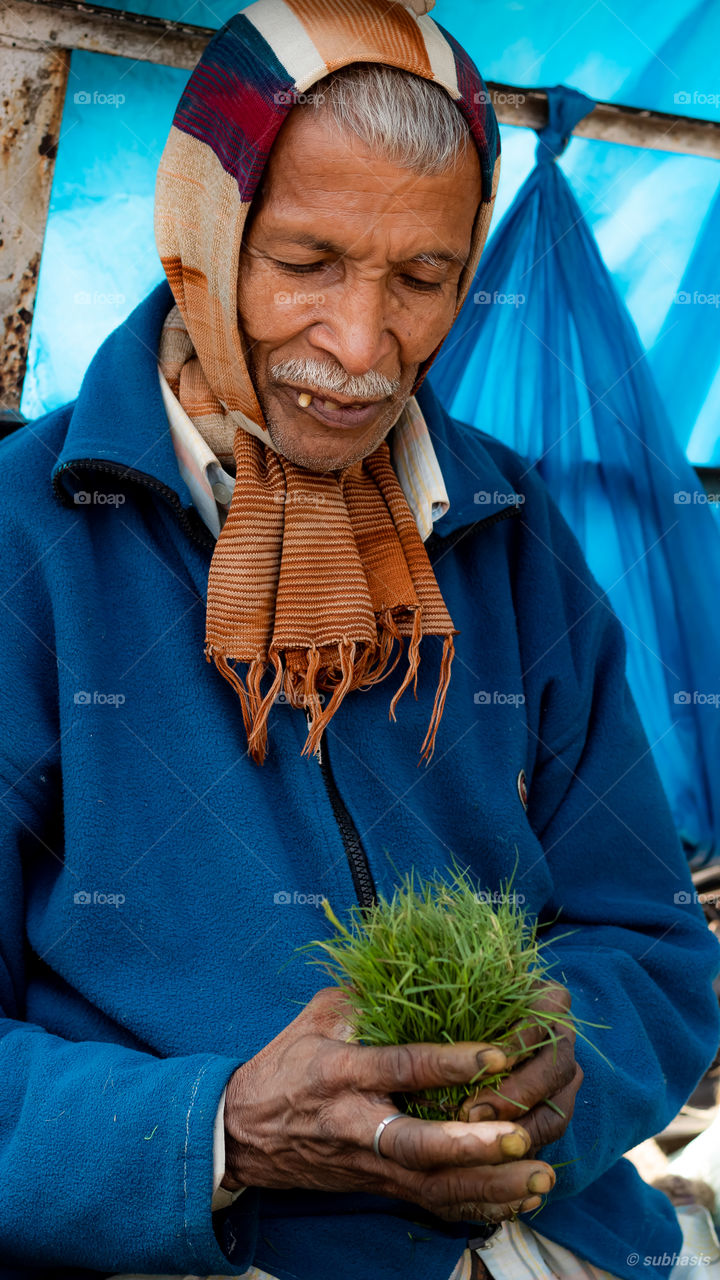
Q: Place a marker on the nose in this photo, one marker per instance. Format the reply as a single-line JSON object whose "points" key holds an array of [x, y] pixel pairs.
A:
{"points": [[354, 328]]}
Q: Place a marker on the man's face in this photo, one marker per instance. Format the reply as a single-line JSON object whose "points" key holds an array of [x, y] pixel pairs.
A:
{"points": [[350, 267]]}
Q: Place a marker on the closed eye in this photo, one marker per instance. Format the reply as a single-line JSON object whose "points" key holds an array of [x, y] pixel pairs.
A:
{"points": [[425, 286], [298, 268], [306, 268]]}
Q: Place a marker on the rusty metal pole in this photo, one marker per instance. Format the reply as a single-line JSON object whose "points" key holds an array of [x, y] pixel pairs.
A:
{"points": [[32, 89], [36, 37]]}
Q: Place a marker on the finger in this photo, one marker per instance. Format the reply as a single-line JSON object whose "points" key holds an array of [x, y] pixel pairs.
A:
{"points": [[543, 1124], [529, 1034], [544, 1075], [427, 1144], [330, 1013], [552, 997], [409, 1068], [490, 1212], [499, 1185], [526, 1038]]}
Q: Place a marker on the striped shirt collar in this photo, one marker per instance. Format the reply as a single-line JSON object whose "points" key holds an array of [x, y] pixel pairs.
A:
{"points": [[211, 486]]}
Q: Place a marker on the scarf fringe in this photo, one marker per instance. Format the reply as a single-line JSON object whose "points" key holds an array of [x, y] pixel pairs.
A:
{"points": [[213, 654], [301, 689], [255, 707], [428, 746], [388, 636], [413, 662], [321, 718], [257, 740]]}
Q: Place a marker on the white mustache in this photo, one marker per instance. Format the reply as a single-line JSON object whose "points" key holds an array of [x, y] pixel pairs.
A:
{"points": [[314, 374]]}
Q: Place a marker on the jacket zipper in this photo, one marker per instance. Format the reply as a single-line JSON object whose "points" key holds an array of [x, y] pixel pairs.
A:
{"points": [[352, 844], [199, 534], [356, 856], [435, 541], [355, 853]]}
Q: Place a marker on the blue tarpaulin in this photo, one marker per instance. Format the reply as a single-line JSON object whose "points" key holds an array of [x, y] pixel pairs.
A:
{"points": [[545, 355], [620, 279], [649, 211]]}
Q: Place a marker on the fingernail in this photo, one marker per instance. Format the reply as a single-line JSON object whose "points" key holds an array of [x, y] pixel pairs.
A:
{"points": [[492, 1060], [483, 1111], [516, 1144], [533, 1203], [539, 1182]]}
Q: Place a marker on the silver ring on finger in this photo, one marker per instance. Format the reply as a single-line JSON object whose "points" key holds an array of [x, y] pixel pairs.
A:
{"points": [[381, 1129]]}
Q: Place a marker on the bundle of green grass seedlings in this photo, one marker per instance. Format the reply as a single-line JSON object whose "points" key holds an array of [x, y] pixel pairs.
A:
{"points": [[440, 962]]}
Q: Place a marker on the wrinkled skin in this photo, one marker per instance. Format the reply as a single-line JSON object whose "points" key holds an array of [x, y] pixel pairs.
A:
{"points": [[366, 304], [303, 1113], [361, 301]]}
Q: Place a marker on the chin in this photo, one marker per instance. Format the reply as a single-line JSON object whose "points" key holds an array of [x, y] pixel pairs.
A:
{"points": [[321, 458], [326, 451]]}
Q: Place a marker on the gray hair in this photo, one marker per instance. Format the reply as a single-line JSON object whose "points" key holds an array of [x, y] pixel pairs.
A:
{"points": [[410, 121]]}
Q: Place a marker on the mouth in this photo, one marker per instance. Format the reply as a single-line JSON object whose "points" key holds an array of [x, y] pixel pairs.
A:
{"points": [[331, 409]]}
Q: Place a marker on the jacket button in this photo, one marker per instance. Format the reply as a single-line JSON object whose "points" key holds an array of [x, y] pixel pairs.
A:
{"points": [[522, 789]]}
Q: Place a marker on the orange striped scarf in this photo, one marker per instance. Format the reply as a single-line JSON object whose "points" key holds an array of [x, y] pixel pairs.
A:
{"points": [[316, 579]]}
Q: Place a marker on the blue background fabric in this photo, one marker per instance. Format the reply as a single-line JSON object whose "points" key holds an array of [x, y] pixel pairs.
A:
{"points": [[583, 407], [123, 1020], [581, 380], [652, 213]]}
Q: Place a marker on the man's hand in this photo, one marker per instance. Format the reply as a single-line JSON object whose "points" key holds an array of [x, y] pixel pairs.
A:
{"points": [[303, 1113], [552, 1073]]}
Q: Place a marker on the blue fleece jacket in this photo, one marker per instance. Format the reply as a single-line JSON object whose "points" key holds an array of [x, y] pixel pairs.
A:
{"points": [[157, 882]]}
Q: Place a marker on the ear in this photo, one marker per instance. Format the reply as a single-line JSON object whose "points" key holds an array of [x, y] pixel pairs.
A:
{"points": [[419, 7]]}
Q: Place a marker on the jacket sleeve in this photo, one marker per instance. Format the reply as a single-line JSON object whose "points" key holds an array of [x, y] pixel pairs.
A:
{"points": [[106, 1152], [629, 940]]}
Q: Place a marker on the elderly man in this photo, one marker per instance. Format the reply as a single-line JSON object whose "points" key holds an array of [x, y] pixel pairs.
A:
{"points": [[256, 483]]}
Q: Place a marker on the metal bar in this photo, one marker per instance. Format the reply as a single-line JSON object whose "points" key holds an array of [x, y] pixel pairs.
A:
{"points": [[611, 122], [36, 37], [69, 24], [34, 82]]}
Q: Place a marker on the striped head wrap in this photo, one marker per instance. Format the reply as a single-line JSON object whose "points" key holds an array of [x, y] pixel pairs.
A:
{"points": [[317, 603]]}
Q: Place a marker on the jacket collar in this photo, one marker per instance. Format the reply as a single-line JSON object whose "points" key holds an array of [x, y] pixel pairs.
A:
{"points": [[119, 416], [119, 419], [477, 488]]}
